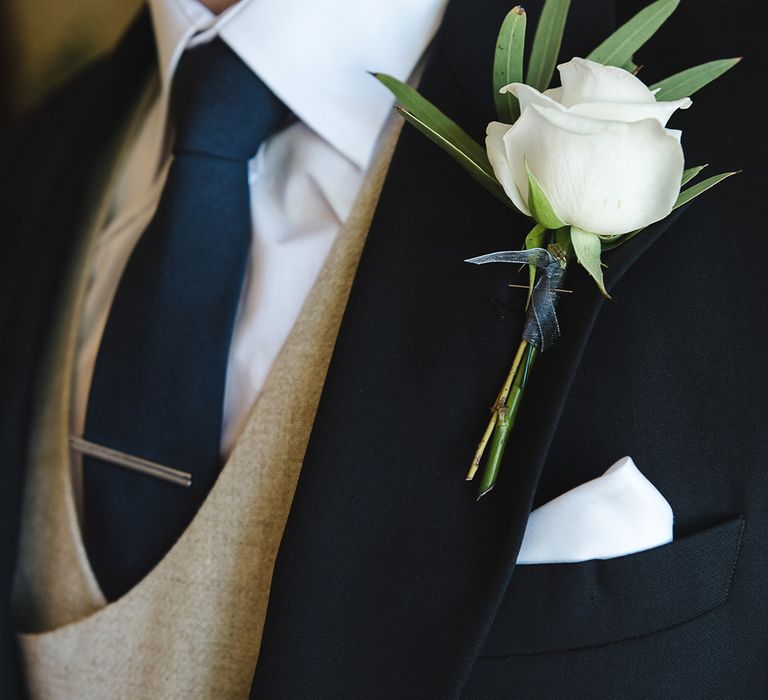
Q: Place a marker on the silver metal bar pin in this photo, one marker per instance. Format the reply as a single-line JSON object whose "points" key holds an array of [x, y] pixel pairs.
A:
{"points": [[138, 464]]}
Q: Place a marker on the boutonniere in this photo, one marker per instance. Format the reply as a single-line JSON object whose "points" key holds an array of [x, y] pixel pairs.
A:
{"points": [[591, 163]]}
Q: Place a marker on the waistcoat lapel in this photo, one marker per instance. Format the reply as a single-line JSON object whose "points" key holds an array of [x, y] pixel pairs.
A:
{"points": [[389, 572]]}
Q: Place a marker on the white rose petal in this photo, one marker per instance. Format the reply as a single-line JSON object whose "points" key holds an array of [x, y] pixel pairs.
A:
{"points": [[494, 144], [555, 94], [526, 95], [604, 177], [587, 81], [598, 146], [629, 112]]}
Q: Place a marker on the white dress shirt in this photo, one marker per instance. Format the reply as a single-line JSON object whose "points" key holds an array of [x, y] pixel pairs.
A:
{"points": [[314, 55]]}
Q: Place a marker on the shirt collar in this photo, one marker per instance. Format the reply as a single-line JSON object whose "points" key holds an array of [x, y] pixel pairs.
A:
{"points": [[315, 56]]}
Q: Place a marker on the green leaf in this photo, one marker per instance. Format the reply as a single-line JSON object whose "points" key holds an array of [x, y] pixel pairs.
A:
{"points": [[461, 154], [618, 48], [588, 248], [539, 204], [546, 43], [535, 239], [691, 173], [431, 122], [508, 63], [695, 190], [685, 83]]}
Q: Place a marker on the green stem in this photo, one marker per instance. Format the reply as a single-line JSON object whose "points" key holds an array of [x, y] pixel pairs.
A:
{"points": [[506, 421]]}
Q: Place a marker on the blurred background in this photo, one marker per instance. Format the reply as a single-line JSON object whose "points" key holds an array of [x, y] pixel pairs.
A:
{"points": [[42, 42]]}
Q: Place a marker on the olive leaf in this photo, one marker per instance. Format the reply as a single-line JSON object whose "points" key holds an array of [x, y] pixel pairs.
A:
{"points": [[691, 173], [695, 190], [687, 82], [587, 247], [508, 63], [546, 43], [619, 47], [444, 132]]}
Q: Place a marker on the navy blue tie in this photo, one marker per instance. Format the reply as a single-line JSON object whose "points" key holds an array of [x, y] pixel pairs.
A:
{"points": [[158, 384]]}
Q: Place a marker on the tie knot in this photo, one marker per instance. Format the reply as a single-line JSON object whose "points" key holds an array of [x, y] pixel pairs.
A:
{"points": [[219, 105]]}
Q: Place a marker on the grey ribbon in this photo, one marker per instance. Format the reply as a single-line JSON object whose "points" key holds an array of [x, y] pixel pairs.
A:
{"points": [[541, 327]]}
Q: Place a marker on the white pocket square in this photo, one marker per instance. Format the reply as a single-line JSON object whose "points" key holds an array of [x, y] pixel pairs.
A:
{"points": [[619, 513]]}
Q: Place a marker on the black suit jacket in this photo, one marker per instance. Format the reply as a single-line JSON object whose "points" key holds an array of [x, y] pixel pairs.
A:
{"points": [[391, 580]]}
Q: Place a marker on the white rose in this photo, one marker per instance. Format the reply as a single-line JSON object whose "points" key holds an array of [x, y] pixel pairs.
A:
{"points": [[598, 147]]}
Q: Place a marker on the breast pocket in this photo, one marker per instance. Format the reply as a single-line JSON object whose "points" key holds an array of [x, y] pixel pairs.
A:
{"points": [[561, 607]]}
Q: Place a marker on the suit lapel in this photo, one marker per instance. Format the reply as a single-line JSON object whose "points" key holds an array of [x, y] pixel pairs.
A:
{"points": [[389, 573]]}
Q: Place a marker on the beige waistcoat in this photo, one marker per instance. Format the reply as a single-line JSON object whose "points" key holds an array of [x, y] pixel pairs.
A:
{"points": [[192, 627]]}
